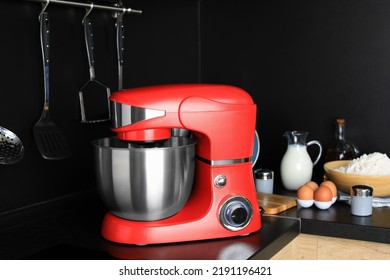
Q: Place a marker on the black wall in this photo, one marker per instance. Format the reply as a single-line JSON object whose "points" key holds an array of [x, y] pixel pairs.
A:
{"points": [[161, 46], [304, 62]]}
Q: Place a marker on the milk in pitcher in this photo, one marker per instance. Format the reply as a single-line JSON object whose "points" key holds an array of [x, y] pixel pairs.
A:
{"points": [[297, 167]]}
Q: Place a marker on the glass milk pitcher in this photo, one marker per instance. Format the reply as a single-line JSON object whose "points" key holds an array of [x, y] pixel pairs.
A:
{"points": [[297, 167]]}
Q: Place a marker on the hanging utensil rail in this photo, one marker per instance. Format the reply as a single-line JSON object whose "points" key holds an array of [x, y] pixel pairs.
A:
{"points": [[87, 5]]}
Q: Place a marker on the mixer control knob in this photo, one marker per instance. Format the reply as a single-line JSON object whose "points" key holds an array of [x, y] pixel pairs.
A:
{"points": [[220, 181], [236, 213]]}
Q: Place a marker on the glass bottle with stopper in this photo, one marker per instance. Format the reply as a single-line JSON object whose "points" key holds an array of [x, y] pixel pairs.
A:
{"points": [[341, 148]]}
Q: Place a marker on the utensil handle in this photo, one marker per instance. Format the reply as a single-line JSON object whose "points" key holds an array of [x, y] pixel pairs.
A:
{"points": [[120, 37], [88, 33], [120, 48], [45, 45], [45, 38]]}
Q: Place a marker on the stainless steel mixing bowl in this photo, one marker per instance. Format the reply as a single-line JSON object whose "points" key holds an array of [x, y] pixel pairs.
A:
{"points": [[145, 183]]}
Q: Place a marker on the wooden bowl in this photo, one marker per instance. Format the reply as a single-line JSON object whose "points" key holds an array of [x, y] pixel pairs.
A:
{"points": [[344, 182]]}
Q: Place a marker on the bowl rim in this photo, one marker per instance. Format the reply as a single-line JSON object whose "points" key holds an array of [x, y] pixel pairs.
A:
{"points": [[327, 169]]}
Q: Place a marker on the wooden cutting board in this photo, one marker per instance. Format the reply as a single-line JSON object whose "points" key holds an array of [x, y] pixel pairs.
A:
{"points": [[274, 203]]}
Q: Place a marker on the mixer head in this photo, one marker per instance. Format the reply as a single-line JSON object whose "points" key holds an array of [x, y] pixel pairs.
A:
{"points": [[222, 118]]}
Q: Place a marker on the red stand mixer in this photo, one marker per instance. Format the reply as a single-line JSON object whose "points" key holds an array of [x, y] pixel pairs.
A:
{"points": [[221, 200]]}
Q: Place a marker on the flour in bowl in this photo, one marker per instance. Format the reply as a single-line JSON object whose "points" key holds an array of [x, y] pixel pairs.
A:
{"points": [[375, 164]]}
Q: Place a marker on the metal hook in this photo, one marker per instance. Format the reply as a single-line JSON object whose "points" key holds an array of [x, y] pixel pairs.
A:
{"points": [[44, 6], [119, 14], [89, 10]]}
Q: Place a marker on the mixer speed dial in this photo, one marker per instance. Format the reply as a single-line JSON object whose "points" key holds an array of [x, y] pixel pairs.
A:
{"points": [[236, 213]]}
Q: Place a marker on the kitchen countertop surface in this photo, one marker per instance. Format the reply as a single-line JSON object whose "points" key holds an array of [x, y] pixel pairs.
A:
{"points": [[337, 221], [70, 229], [46, 233]]}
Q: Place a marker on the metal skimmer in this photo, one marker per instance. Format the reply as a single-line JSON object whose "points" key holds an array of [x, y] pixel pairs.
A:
{"points": [[11, 148]]}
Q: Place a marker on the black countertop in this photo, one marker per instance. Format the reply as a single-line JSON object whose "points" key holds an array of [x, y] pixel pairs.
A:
{"points": [[70, 229], [337, 221], [73, 233]]}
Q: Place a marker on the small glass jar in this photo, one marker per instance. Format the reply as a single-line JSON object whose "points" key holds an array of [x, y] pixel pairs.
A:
{"points": [[361, 200], [264, 180]]}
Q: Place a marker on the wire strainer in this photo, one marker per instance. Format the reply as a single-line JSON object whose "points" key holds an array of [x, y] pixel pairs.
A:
{"points": [[93, 86]]}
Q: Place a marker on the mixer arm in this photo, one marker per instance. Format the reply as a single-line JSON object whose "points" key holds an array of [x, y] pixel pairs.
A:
{"points": [[223, 131]]}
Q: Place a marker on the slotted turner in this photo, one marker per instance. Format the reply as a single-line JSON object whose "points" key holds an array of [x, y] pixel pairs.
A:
{"points": [[49, 139]]}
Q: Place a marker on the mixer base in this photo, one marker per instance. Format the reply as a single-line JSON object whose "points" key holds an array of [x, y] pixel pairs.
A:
{"points": [[168, 231]]}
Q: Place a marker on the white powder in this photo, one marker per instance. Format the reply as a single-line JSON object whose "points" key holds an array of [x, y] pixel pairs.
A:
{"points": [[375, 164]]}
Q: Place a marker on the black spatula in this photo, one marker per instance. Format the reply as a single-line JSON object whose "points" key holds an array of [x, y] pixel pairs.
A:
{"points": [[48, 138]]}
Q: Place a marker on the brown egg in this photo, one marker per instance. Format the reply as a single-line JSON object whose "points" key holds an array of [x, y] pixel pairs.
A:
{"points": [[313, 185], [332, 187], [305, 193], [323, 194]]}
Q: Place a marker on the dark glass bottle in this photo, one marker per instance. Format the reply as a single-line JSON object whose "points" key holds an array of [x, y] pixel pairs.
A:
{"points": [[341, 149]]}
